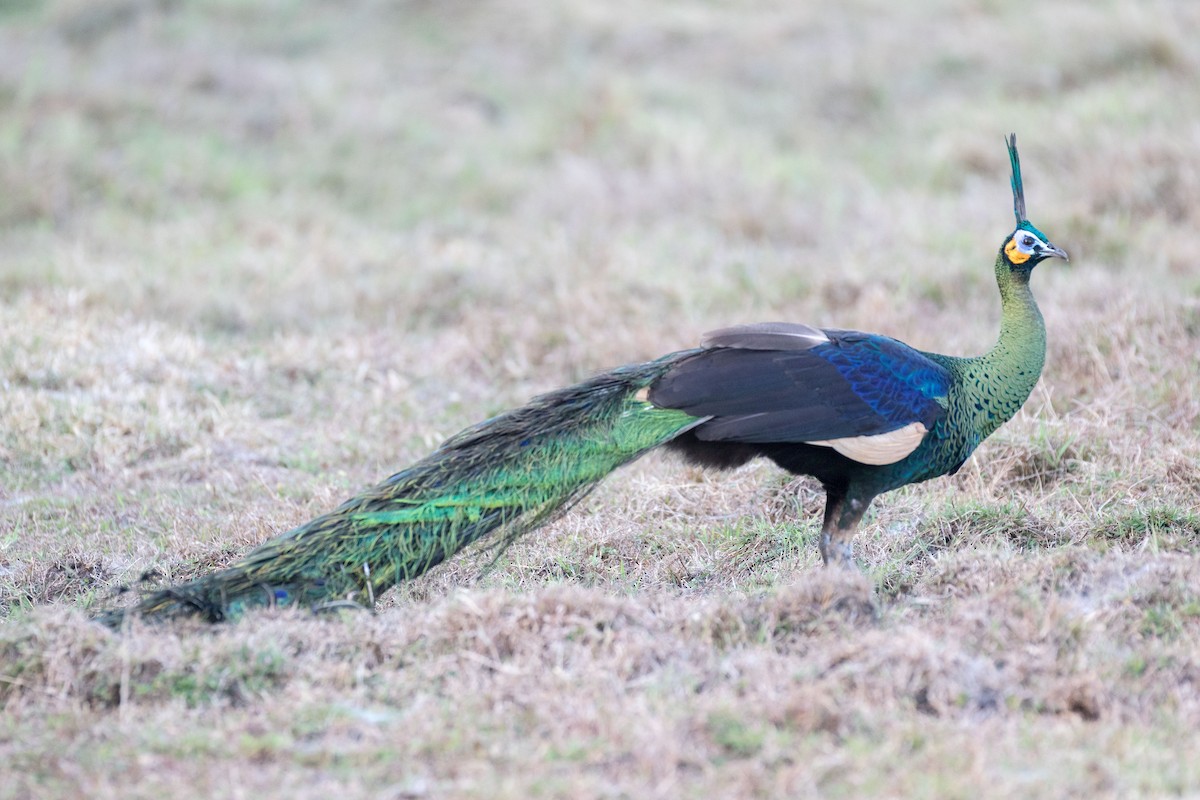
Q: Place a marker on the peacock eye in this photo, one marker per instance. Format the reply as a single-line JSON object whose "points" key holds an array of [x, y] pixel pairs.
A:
{"points": [[1027, 241]]}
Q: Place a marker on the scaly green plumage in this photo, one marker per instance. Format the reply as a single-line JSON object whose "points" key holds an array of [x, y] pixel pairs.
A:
{"points": [[986, 390], [981, 403], [862, 413]]}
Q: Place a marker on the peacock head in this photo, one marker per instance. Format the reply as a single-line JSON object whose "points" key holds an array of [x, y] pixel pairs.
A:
{"points": [[1027, 246]]}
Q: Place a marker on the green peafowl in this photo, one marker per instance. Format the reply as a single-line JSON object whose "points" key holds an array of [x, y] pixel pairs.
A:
{"points": [[862, 413]]}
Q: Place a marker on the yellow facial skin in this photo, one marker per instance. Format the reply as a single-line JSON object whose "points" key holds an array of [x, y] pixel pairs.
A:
{"points": [[1013, 251]]}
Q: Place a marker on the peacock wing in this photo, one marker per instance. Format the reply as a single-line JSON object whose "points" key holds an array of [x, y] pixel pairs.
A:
{"points": [[870, 397]]}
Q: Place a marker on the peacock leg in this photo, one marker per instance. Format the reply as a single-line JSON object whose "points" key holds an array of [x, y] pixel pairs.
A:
{"points": [[842, 515]]}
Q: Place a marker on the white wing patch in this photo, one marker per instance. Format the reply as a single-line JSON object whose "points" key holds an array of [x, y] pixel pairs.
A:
{"points": [[882, 448]]}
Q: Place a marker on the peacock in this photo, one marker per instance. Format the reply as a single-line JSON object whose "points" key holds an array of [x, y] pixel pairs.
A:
{"points": [[860, 412]]}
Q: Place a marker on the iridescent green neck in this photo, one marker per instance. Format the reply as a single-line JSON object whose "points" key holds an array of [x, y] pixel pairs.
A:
{"points": [[1001, 380]]}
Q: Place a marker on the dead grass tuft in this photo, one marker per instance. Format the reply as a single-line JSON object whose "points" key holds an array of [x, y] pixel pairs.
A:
{"points": [[501, 629], [68, 577], [826, 599], [66, 659]]}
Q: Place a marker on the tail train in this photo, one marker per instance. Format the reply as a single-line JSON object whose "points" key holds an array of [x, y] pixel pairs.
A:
{"points": [[507, 475]]}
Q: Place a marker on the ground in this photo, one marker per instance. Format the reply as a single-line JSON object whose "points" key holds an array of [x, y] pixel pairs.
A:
{"points": [[256, 256]]}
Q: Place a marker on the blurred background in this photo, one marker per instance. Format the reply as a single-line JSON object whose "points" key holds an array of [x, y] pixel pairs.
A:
{"points": [[529, 192]]}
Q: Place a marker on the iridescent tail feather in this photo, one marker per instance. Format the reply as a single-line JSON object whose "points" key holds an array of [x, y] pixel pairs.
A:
{"points": [[504, 476]]}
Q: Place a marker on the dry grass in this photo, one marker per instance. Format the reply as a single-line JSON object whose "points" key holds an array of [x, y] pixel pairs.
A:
{"points": [[254, 256]]}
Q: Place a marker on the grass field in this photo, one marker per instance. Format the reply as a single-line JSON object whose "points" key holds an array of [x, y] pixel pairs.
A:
{"points": [[255, 256]]}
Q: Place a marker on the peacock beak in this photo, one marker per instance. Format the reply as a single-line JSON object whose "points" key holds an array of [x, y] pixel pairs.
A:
{"points": [[1050, 251]]}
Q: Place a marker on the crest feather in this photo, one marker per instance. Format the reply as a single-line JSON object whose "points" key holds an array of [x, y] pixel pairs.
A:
{"points": [[1018, 188]]}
